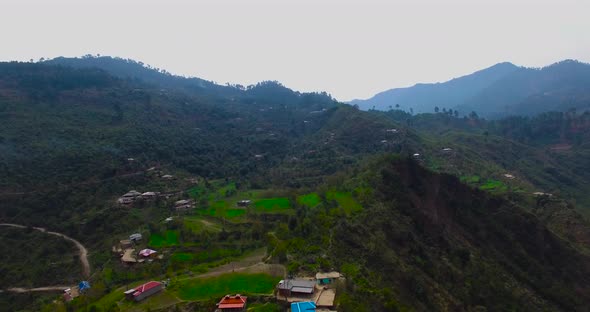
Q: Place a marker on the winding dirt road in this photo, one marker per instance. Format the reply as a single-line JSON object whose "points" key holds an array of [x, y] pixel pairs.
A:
{"points": [[83, 253], [26, 290]]}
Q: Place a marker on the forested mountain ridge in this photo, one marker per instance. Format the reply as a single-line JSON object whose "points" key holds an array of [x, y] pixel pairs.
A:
{"points": [[73, 139], [501, 90], [127, 68], [424, 97]]}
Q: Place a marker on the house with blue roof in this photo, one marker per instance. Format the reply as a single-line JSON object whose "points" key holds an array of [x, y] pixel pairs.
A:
{"points": [[307, 306]]}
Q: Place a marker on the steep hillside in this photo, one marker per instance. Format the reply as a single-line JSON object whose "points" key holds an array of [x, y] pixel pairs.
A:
{"points": [[546, 153], [426, 241]]}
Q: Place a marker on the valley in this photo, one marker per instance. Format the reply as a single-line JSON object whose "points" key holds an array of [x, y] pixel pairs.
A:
{"points": [[208, 190]]}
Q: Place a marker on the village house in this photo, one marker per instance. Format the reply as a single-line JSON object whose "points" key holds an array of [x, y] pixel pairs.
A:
{"points": [[129, 256], [235, 303], [147, 253], [125, 243], [183, 205], [129, 197], [306, 306], [135, 237], [149, 195], [143, 291], [132, 194], [244, 203], [167, 177], [125, 201], [70, 293], [299, 288], [327, 278]]}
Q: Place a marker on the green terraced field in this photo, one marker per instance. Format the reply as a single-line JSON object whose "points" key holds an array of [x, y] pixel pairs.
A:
{"points": [[198, 225], [214, 287], [310, 200], [169, 239], [272, 204], [182, 256], [344, 200]]}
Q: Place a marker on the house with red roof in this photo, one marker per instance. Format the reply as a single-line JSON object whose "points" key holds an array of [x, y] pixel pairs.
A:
{"points": [[143, 291], [235, 303], [147, 253]]}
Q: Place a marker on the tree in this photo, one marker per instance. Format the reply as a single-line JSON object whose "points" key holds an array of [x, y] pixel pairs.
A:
{"points": [[456, 113], [436, 109], [473, 115], [396, 105]]}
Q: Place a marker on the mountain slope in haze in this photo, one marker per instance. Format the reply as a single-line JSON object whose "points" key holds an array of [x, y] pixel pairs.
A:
{"points": [[130, 69], [559, 87], [424, 97], [498, 91]]}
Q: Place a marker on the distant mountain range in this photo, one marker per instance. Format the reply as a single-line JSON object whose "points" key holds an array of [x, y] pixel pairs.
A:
{"points": [[501, 90]]}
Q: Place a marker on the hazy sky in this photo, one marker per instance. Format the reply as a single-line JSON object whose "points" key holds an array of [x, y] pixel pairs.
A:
{"points": [[351, 49]]}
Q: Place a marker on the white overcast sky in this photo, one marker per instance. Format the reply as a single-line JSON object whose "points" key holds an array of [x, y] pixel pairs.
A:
{"points": [[349, 48]]}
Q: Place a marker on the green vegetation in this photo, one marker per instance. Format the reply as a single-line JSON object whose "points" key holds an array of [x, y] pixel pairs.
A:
{"points": [[266, 307], [182, 256], [272, 204], [35, 258], [196, 192], [169, 239], [206, 288], [198, 224], [232, 213], [221, 211], [494, 185], [344, 200], [470, 179], [109, 300], [310, 200]]}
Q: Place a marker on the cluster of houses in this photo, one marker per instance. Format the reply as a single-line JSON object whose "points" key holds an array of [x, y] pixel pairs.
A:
{"points": [[309, 294], [305, 294], [132, 196], [126, 251]]}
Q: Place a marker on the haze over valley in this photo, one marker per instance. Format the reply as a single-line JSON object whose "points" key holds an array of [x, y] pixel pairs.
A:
{"points": [[134, 178]]}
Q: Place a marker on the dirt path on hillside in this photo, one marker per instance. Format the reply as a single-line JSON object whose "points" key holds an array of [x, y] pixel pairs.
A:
{"points": [[82, 251], [253, 263], [21, 290]]}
